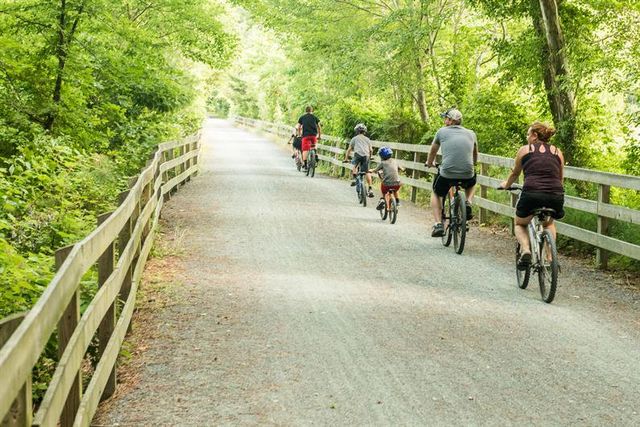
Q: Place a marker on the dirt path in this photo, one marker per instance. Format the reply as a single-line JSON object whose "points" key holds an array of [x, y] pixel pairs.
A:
{"points": [[289, 304]]}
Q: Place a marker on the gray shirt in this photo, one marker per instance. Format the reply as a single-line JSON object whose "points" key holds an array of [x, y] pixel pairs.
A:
{"points": [[361, 144], [389, 170], [456, 145]]}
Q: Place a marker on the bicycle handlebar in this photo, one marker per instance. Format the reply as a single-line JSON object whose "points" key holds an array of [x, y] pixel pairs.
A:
{"points": [[513, 187]]}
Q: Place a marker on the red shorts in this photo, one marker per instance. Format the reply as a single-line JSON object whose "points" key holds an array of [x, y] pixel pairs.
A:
{"points": [[309, 142], [384, 188]]}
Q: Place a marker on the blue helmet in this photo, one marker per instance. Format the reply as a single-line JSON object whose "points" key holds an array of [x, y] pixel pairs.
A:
{"points": [[385, 153]]}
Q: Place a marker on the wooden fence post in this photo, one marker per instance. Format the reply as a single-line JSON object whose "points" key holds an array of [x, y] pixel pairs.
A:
{"points": [[415, 174], [108, 323], [484, 217], [123, 239], [66, 325], [21, 411], [602, 255]]}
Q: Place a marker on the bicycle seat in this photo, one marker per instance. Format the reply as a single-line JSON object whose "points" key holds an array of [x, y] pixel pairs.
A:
{"points": [[543, 212]]}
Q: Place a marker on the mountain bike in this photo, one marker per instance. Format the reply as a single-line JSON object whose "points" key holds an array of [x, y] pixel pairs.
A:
{"points": [[454, 217], [312, 160], [544, 255], [298, 160], [361, 187], [391, 209]]}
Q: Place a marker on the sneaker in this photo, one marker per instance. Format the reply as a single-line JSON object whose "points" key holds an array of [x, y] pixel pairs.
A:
{"points": [[438, 230], [370, 193], [397, 203], [293, 156], [381, 204], [469, 211], [353, 183], [524, 261]]}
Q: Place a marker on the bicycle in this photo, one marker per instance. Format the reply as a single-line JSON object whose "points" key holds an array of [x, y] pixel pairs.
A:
{"points": [[544, 254], [312, 160], [391, 208], [454, 217], [361, 187], [298, 160]]}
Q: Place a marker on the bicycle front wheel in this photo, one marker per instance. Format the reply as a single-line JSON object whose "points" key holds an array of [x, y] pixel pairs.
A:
{"points": [[459, 222], [548, 272], [447, 214], [393, 209], [383, 212]]}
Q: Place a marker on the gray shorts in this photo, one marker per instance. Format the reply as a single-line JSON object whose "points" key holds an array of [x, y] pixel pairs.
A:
{"points": [[361, 161]]}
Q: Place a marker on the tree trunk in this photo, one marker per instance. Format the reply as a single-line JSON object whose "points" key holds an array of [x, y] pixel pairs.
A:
{"points": [[560, 96], [420, 98], [61, 54]]}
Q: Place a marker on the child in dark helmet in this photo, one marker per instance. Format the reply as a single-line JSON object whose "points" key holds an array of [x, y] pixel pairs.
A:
{"points": [[390, 177]]}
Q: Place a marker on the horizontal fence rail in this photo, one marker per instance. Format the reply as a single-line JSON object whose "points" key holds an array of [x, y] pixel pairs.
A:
{"points": [[118, 249], [331, 149]]}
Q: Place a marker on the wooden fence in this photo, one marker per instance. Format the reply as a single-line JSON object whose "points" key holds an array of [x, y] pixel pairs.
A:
{"points": [[331, 149], [118, 248]]}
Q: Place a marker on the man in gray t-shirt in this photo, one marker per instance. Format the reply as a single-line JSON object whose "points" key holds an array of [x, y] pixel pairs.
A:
{"points": [[459, 149]]}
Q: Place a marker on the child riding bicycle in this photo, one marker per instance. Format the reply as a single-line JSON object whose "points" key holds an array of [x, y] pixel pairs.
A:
{"points": [[390, 177]]}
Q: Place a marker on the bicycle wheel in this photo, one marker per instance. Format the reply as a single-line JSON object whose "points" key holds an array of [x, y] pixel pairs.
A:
{"points": [[522, 275], [298, 162], [548, 272], [383, 212], [446, 221], [359, 190], [459, 221], [312, 163], [393, 209]]}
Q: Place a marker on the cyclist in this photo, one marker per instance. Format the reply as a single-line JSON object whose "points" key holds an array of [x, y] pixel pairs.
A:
{"points": [[459, 147], [362, 149], [543, 167], [390, 177], [310, 130]]}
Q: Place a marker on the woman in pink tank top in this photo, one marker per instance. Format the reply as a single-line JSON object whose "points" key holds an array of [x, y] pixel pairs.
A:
{"points": [[543, 167]]}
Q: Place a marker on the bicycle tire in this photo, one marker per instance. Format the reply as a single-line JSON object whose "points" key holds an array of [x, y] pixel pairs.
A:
{"points": [[364, 196], [522, 276], [383, 212], [548, 271], [459, 222], [393, 209], [312, 163], [359, 190], [446, 221]]}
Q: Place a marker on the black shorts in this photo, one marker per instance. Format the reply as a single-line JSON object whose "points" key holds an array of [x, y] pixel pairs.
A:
{"points": [[361, 161], [529, 201], [441, 185], [297, 143]]}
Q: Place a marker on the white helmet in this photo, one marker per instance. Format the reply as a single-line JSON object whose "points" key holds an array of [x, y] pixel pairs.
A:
{"points": [[360, 127]]}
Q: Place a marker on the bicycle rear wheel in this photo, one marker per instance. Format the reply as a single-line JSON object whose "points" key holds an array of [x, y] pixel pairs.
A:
{"points": [[447, 214], [393, 209], [522, 275], [548, 272], [359, 190], [459, 222], [312, 163]]}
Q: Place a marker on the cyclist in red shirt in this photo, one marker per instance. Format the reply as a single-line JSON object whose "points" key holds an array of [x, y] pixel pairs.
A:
{"points": [[310, 130]]}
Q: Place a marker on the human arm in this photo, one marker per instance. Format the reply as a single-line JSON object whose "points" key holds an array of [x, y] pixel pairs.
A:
{"points": [[517, 168], [432, 154], [319, 130]]}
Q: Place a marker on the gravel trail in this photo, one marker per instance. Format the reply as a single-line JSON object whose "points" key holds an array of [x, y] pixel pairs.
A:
{"points": [[291, 305]]}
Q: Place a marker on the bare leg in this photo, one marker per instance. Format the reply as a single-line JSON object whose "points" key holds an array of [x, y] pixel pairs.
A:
{"points": [[436, 207], [522, 234], [470, 192], [551, 226]]}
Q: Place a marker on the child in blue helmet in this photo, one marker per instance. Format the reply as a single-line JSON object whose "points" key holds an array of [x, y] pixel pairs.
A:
{"points": [[390, 177]]}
